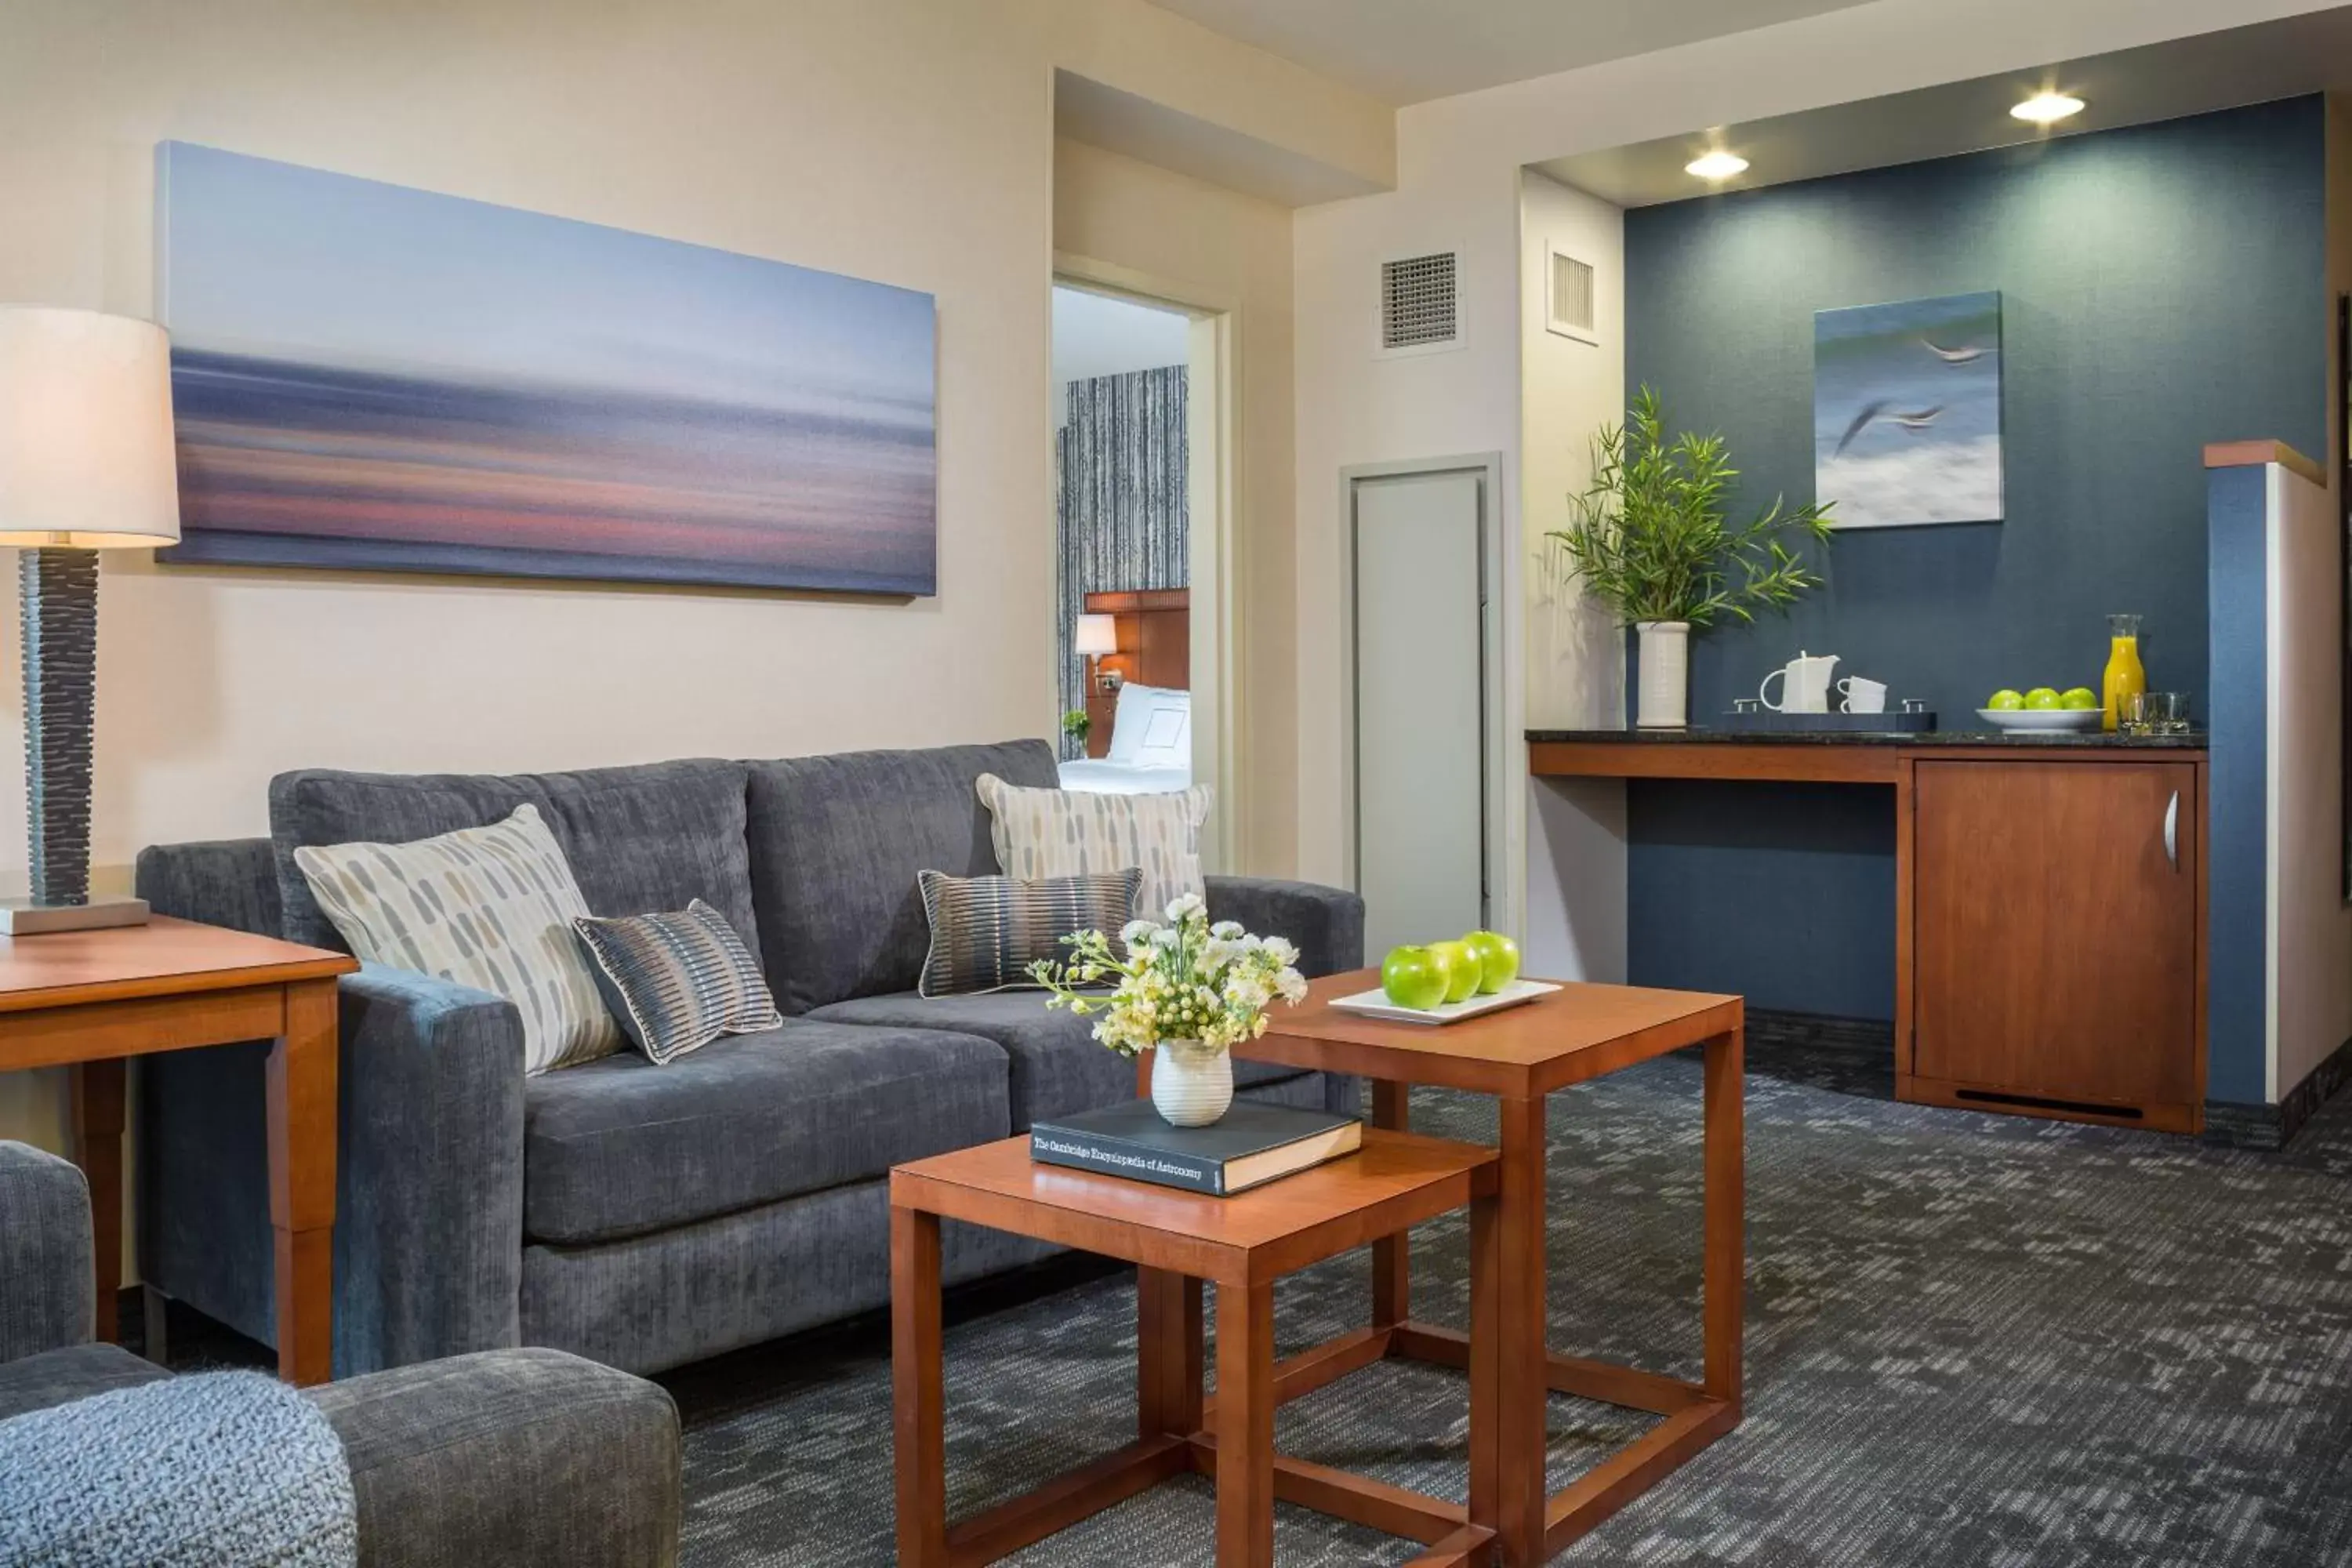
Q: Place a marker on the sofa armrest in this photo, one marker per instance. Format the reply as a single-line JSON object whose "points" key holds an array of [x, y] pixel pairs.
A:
{"points": [[1327, 924], [526, 1458], [428, 1226], [45, 1299]]}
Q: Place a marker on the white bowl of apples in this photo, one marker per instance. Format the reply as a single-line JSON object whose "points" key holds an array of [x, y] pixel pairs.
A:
{"points": [[2045, 711]]}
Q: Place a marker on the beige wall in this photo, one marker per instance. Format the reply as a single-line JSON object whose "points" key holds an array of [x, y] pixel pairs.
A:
{"points": [[1203, 246], [905, 141], [1572, 891]]}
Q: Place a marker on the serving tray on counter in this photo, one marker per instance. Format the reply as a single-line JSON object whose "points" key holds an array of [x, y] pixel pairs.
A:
{"points": [[1771, 723]]}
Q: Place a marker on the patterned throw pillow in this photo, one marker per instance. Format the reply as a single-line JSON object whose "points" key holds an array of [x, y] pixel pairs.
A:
{"points": [[677, 981], [487, 907], [1043, 833], [987, 931]]}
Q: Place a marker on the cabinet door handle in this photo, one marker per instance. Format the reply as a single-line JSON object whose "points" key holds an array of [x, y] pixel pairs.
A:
{"points": [[2172, 831]]}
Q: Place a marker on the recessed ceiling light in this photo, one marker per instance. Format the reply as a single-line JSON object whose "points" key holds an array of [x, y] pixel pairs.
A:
{"points": [[1715, 165], [2048, 107]]}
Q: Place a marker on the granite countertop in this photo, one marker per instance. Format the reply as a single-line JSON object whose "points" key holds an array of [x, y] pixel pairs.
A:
{"points": [[2095, 741]]}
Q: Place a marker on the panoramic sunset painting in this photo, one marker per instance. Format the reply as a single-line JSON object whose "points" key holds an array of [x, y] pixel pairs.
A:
{"points": [[368, 376]]}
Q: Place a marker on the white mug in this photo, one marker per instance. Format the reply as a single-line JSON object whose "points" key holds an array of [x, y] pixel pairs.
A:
{"points": [[1804, 684], [1861, 696]]}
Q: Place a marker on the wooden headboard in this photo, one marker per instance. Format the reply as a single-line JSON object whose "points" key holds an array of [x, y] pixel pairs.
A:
{"points": [[1155, 636]]}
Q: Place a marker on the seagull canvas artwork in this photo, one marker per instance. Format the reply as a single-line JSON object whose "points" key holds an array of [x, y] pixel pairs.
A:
{"points": [[1907, 412]]}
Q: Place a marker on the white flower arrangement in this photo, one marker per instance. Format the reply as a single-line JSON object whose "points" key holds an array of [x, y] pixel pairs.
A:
{"points": [[1185, 980]]}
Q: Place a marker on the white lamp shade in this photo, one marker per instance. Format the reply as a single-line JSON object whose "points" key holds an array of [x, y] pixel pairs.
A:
{"points": [[86, 458], [1095, 634]]}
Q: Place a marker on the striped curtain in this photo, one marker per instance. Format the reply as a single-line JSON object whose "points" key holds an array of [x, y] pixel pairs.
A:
{"points": [[1122, 454]]}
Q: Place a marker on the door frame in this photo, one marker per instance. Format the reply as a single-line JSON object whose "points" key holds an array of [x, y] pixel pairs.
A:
{"points": [[1496, 776], [1217, 583]]}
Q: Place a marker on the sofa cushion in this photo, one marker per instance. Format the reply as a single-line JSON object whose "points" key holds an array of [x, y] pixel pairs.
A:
{"points": [[620, 1146], [836, 843], [60, 1376], [639, 839], [1057, 1068]]}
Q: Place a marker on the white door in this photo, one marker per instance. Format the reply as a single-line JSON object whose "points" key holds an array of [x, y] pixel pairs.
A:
{"points": [[1421, 705]]}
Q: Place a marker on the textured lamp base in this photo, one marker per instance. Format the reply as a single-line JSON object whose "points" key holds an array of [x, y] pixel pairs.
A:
{"points": [[23, 917], [58, 587]]}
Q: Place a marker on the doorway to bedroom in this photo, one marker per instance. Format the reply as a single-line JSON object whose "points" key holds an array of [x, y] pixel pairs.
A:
{"points": [[1125, 431]]}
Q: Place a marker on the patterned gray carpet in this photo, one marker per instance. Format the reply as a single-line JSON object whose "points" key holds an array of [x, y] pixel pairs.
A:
{"points": [[1972, 1340]]}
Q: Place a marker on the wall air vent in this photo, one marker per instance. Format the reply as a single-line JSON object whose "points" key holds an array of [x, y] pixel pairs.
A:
{"points": [[1418, 304], [1569, 299]]}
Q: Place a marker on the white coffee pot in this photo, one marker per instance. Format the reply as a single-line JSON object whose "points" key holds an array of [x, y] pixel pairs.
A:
{"points": [[1804, 684]]}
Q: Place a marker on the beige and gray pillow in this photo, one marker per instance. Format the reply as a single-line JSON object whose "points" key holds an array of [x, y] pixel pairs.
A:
{"points": [[987, 931], [1043, 833], [490, 907]]}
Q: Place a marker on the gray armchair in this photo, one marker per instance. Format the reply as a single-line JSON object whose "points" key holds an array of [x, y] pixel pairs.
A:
{"points": [[528, 1457]]}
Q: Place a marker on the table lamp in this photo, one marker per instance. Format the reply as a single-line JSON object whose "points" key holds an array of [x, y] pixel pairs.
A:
{"points": [[1094, 636], [86, 465]]}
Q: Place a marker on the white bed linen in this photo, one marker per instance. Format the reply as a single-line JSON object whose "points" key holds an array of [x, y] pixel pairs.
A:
{"points": [[1106, 777]]}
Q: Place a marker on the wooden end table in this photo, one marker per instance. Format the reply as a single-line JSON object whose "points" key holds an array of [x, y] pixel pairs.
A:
{"points": [[1519, 1055], [92, 999], [1178, 1239]]}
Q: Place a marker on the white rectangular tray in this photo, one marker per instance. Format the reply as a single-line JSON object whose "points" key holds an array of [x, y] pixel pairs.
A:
{"points": [[1375, 1003]]}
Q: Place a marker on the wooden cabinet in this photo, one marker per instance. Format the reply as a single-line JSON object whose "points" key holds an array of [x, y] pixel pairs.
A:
{"points": [[2054, 959]]}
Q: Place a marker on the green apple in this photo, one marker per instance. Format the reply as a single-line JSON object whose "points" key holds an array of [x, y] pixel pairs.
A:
{"points": [[1497, 956], [2005, 700], [2041, 699], [2078, 697], [1414, 977], [1461, 969]]}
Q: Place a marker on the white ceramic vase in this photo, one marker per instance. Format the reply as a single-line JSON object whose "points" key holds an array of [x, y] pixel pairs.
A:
{"points": [[1191, 1085], [1665, 674]]}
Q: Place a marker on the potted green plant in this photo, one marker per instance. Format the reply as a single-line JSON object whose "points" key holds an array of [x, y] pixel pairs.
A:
{"points": [[1075, 724], [1651, 537]]}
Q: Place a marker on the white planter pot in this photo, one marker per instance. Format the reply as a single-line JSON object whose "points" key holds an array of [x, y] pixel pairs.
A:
{"points": [[1665, 674], [1191, 1085]]}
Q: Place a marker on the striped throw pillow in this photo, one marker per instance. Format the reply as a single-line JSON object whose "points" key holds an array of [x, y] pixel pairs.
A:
{"points": [[987, 931], [487, 907], [1045, 833], [677, 981]]}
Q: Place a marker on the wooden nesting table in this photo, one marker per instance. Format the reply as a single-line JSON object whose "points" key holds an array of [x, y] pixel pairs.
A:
{"points": [[92, 999], [1178, 1239], [1519, 1055]]}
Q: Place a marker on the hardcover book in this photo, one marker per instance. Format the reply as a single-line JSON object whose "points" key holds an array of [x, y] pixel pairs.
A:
{"points": [[1250, 1145]]}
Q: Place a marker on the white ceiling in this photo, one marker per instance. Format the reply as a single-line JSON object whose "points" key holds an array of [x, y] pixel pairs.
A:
{"points": [[2284, 58], [1408, 50], [1095, 334]]}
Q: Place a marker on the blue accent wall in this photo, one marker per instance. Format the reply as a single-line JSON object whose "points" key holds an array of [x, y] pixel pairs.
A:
{"points": [[2236, 816], [2161, 287], [1782, 892]]}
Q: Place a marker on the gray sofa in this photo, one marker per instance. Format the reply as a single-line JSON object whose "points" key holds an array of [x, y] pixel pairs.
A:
{"points": [[640, 1215], [524, 1458]]}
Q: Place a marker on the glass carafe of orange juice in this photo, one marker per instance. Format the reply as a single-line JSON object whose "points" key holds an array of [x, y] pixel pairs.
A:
{"points": [[2126, 676]]}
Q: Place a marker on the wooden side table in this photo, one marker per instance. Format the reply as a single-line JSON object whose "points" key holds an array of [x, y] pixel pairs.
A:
{"points": [[1519, 1055], [93, 999], [1178, 1239]]}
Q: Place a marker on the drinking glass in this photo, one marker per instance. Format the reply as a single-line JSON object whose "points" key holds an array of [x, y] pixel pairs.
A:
{"points": [[2154, 713]]}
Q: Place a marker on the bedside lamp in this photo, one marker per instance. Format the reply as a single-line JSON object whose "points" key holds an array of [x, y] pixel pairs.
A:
{"points": [[86, 465], [1094, 636]]}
